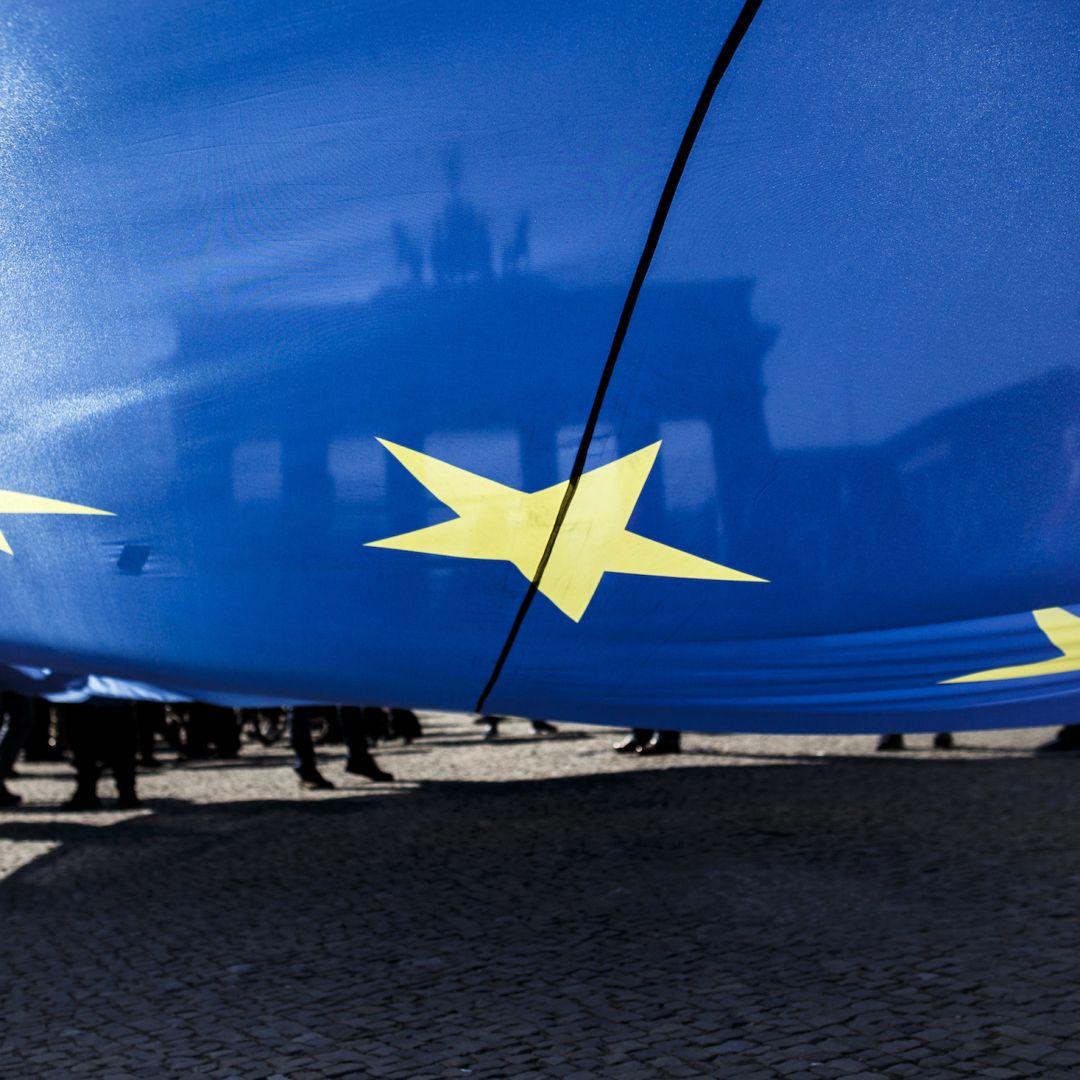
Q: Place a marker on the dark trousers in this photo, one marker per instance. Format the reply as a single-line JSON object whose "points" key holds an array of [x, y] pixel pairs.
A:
{"points": [[102, 733], [18, 718], [211, 726], [149, 720], [300, 738], [361, 726], [39, 745], [226, 728]]}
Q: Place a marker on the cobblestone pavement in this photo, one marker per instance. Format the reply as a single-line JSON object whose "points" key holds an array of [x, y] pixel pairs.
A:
{"points": [[757, 907]]}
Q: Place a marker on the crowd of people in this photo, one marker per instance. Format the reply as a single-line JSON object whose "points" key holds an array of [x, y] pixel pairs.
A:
{"points": [[120, 736]]}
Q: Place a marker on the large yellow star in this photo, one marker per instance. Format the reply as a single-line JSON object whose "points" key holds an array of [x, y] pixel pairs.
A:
{"points": [[499, 522], [15, 502], [1063, 630]]}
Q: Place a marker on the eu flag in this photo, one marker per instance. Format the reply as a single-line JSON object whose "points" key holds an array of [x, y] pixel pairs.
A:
{"points": [[695, 365]]}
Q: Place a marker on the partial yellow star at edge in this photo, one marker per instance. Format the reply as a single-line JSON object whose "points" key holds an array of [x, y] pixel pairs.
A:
{"points": [[501, 523], [15, 502], [1063, 630]]}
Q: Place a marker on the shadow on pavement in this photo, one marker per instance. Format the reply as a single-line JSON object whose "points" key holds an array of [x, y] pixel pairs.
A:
{"points": [[681, 915]]}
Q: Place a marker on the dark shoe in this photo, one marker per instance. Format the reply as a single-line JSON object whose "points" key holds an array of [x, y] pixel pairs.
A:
{"points": [[314, 781], [542, 727], [662, 742], [891, 742], [367, 766], [492, 722], [82, 801], [128, 801], [9, 798], [633, 742], [943, 740]]}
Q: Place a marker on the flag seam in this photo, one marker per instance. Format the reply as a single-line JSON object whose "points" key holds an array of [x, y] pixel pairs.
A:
{"points": [[652, 240]]}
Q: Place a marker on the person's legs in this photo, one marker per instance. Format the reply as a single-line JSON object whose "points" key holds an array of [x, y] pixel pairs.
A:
{"points": [[333, 735], [355, 729], [78, 724], [300, 740], [149, 718], [119, 737], [352, 728], [197, 731], [307, 771], [18, 717], [15, 721], [39, 745], [224, 730]]}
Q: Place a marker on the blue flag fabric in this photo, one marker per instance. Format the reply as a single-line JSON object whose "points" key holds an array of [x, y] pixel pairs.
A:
{"points": [[307, 308]]}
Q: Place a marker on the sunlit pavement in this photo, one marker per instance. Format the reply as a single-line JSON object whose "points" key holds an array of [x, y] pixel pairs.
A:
{"points": [[755, 907]]}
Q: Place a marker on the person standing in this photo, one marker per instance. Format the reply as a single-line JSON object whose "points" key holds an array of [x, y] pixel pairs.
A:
{"points": [[211, 731], [41, 744], [304, 763], [149, 720], [361, 726], [102, 732], [18, 718]]}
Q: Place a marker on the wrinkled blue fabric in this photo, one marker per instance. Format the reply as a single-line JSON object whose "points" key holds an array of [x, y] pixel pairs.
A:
{"points": [[242, 242]]}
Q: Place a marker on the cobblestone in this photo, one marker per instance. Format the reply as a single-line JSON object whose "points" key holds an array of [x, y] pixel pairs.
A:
{"points": [[533, 908]]}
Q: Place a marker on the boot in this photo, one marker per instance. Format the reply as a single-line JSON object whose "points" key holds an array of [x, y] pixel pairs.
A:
{"points": [[366, 765], [633, 742], [313, 780], [891, 742], [662, 742]]}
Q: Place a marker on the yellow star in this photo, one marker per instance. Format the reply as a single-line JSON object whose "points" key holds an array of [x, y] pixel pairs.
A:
{"points": [[15, 502], [499, 522], [1063, 630]]}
